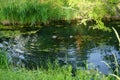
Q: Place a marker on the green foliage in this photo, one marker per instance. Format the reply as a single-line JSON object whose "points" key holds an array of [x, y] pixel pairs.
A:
{"points": [[45, 11], [59, 73], [3, 60], [25, 11], [94, 10]]}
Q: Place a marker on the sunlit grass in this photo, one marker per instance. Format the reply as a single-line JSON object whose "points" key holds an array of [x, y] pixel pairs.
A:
{"points": [[31, 12], [60, 73], [37, 12]]}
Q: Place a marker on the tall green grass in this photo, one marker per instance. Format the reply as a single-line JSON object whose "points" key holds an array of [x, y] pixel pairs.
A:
{"points": [[3, 60], [33, 11], [59, 73], [46, 11]]}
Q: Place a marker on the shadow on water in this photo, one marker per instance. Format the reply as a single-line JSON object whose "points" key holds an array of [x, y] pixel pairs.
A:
{"points": [[74, 45]]}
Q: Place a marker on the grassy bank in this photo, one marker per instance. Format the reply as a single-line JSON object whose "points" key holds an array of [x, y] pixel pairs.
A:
{"points": [[60, 73], [31, 12], [35, 11]]}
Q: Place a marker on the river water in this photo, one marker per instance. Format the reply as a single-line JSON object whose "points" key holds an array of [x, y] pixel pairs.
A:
{"points": [[68, 44]]}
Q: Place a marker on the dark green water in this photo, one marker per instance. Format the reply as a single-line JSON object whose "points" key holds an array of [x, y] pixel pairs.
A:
{"points": [[69, 44]]}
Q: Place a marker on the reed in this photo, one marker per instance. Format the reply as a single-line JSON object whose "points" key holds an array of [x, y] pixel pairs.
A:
{"points": [[117, 35]]}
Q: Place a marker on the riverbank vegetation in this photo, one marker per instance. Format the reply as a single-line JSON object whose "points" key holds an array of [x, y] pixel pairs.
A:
{"points": [[35, 12], [53, 72]]}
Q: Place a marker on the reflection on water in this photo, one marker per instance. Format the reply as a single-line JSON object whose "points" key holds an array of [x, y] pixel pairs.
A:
{"points": [[68, 46], [103, 53]]}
